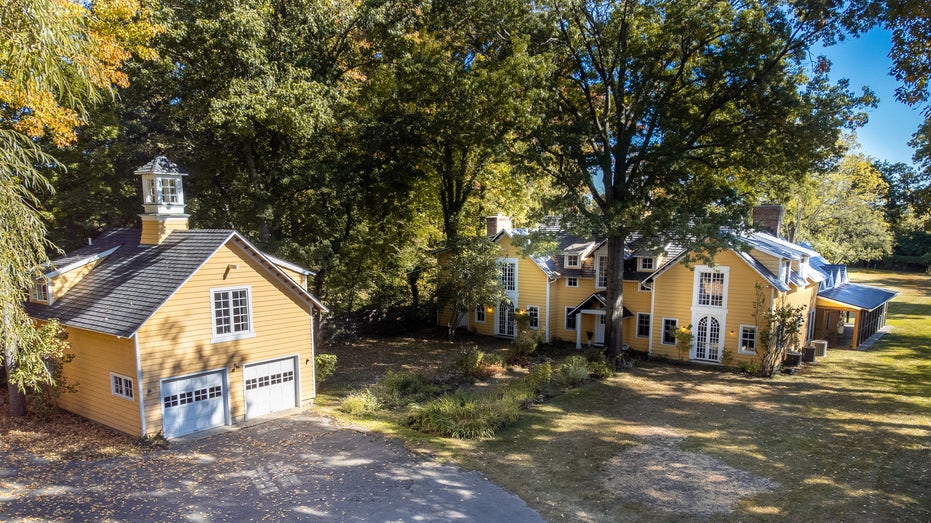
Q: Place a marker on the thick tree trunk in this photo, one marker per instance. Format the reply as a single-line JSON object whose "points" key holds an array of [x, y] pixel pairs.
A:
{"points": [[17, 401], [614, 334]]}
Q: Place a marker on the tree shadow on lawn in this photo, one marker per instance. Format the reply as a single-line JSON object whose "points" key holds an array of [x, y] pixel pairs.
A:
{"points": [[836, 452]]}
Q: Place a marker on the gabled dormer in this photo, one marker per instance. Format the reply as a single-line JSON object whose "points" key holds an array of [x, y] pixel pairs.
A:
{"points": [[63, 274], [162, 199]]}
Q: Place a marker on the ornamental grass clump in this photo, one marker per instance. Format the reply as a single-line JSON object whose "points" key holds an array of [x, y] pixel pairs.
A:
{"points": [[400, 388], [464, 416], [574, 371], [360, 402]]}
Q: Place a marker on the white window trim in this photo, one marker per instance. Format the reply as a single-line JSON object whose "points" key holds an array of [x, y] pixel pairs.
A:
{"points": [[34, 296], [218, 338], [480, 308], [511, 293], [569, 278], [642, 268], [649, 321], [598, 271], [565, 320], [578, 261], [662, 339], [710, 309], [740, 338], [537, 308], [132, 386]]}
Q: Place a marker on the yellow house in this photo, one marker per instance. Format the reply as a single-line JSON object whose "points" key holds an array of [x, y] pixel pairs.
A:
{"points": [[564, 294], [176, 330]]}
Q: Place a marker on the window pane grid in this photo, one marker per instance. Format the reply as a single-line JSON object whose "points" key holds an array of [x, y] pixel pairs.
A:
{"points": [[231, 311], [533, 315], [602, 271], [643, 325], [669, 331], [711, 289], [193, 396]]}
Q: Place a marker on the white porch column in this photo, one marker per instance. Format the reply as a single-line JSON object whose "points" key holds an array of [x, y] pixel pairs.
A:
{"points": [[578, 330]]}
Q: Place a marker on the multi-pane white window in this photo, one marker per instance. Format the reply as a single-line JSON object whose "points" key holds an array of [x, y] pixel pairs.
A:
{"points": [[509, 276], [480, 313], [572, 260], [670, 326], [231, 315], [39, 290], [505, 319], [533, 316], [121, 386], [747, 338], [711, 289], [643, 325], [572, 281], [602, 270], [162, 191], [646, 263]]}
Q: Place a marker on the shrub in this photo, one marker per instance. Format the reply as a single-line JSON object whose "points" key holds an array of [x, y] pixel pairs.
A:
{"points": [[464, 416], [750, 367], [540, 377], [574, 371], [476, 365], [324, 366], [361, 402], [600, 370]]}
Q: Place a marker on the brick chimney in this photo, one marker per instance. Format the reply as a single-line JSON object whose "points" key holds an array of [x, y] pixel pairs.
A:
{"points": [[498, 222], [768, 218]]}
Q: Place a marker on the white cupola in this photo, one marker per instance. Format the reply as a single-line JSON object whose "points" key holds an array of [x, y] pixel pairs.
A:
{"points": [[162, 199]]}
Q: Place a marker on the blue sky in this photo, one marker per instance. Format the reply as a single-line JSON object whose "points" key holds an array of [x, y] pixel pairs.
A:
{"points": [[865, 61]]}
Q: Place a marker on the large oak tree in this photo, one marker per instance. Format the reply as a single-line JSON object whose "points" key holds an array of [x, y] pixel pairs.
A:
{"points": [[670, 113]]}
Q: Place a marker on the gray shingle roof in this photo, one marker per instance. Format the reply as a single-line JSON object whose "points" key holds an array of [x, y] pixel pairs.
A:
{"points": [[161, 165], [121, 293]]}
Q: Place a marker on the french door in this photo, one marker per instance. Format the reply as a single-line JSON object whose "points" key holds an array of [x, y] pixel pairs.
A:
{"points": [[708, 339]]}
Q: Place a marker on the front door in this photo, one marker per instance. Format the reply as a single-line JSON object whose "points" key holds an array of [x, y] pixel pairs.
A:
{"points": [[708, 339], [505, 320], [600, 329]]}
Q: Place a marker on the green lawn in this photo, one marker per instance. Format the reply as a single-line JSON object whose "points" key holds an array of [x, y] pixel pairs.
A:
{"points": [[847, 439]]}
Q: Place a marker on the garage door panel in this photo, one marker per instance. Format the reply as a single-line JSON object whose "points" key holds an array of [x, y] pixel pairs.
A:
{"points": [[270, 386], [192, 404]]}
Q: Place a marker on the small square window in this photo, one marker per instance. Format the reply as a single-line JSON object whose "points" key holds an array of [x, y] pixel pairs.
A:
{"points": [[572, 260], [646, 263], [39, 291], [572, 281], [643, 325], [121, 386]]}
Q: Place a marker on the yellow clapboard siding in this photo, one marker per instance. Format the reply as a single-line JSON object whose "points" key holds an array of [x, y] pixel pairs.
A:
{"points": [[177, 340], [95, 357], [65, 281]]}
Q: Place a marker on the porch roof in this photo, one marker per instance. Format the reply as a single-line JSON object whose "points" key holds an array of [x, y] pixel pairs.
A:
{"points": [[855, 295], [597, 299]]}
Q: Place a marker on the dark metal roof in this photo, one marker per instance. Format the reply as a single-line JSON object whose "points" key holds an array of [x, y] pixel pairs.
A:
{"points": [[857, 295]]}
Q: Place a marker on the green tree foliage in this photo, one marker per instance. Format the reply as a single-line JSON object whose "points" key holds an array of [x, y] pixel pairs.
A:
{"points": [[470, 277], [468, 92], [672, 112], [841, 212]]}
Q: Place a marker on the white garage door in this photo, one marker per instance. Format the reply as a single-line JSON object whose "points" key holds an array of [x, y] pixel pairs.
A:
{"points": [[193, 403], [270, 386]]}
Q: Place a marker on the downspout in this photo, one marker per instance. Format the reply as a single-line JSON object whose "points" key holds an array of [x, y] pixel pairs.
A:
{"points": [[548, 314], [653, 316], [313, 358], [141, 395]]}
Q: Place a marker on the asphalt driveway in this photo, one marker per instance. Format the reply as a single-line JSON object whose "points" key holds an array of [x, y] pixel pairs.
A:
{"points": [[296, 468]]}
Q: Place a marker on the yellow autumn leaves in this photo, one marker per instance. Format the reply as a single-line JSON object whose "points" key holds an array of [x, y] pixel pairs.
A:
{"points": [[58, 55]]}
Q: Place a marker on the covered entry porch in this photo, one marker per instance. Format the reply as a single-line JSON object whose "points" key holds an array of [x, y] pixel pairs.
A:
{"points": [[848, 315], [590, 319]]}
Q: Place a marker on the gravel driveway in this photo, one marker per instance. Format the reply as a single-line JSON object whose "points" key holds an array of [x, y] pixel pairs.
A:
{"points": [[296, 468]]}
